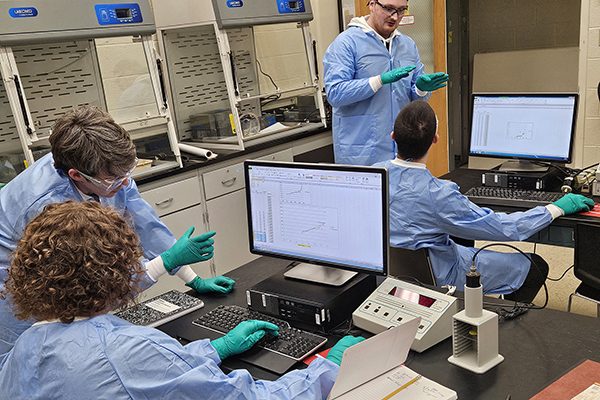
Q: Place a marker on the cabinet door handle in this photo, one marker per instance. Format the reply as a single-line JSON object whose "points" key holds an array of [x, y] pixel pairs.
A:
{"points": [[160, 203], [228, 181]]}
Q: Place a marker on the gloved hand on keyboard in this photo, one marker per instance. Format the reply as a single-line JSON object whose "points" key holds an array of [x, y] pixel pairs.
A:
{"points": [[243, 337], [220, 284], [337, 351], [572, 203]]}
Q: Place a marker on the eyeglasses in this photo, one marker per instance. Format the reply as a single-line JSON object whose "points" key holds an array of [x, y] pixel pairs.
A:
{"points": [[109, 184], [391, 10]]}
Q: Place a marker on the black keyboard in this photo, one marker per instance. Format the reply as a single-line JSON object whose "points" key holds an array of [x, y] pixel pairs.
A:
{"points": [[291, 342], [485, 195]]}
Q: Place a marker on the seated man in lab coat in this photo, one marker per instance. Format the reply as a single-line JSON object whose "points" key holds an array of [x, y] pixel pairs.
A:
{"points": [[74, 263], [92, 159], [425, 210]]}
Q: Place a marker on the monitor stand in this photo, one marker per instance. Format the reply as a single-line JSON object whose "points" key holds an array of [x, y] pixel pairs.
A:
{"points": [[320, 274], [522, 166]]}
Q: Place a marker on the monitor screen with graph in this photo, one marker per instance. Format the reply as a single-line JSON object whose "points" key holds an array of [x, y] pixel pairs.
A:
{"points": [[524, 126], [331, 218]]}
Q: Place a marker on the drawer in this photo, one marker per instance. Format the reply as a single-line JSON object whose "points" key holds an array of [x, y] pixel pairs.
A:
{"points": [[229, 179], [284, 155], [223, 181], [173, 197]]}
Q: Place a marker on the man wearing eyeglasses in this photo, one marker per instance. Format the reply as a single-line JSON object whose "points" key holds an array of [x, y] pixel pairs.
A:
{"points": [[371, 72], [92, 158]]}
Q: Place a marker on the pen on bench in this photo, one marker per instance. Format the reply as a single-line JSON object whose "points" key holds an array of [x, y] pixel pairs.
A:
{"points": [[407, 384]]}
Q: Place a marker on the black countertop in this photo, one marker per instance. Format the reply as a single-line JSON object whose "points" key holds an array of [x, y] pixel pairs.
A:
{"points": [[192, 162], [538, 347]]}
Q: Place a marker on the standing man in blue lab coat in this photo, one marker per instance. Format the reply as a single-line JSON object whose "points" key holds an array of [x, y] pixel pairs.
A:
{"points": [[92, 159], [371, 72], [425, 210]]}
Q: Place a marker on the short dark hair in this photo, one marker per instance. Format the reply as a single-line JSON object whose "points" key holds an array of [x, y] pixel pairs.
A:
{"points": [[75, 259], [414, 129], [89, 140]]}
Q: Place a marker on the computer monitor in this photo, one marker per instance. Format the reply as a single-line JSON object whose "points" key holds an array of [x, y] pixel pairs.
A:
{"points": [[525, 127], [586, 260], [333, 219]]}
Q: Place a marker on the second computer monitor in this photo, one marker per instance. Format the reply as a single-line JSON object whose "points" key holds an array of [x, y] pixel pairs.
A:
{"points": [[332, 218], [524, 126]]}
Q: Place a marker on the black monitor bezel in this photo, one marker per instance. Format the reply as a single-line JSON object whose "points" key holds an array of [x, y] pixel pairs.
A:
{"points": [[525, 94], [325, 167]]}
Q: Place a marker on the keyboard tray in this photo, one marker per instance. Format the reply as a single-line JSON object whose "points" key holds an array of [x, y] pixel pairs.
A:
{"points": [[493, 196], [292, 343], [259, 357]]}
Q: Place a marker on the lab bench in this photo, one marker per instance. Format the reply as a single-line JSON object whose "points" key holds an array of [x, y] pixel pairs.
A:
{"points": [[210, 195], [559, 233]]}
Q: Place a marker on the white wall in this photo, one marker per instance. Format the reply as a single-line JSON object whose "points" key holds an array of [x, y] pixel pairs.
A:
{"points": [[588, 133]]}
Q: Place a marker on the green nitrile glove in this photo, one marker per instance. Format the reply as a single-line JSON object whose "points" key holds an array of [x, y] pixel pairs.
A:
{"points": [[396, 74], [243, 337], [337, 351], [220, 284], [431, 82], [188, 250], [572, 203]]}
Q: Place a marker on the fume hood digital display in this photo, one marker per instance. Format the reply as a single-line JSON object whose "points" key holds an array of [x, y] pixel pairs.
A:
{"points": [[123, 12], [291, 6], [112, 14]]}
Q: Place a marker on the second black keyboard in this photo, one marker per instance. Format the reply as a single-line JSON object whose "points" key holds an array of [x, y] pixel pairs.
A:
{"points": [[486, 195], [291, 342]]}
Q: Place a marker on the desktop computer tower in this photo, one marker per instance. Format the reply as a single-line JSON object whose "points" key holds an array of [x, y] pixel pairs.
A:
{"points": [[309, 305], [550, 180]]}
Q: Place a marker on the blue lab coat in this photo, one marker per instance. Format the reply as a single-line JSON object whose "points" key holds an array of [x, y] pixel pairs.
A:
{"points": [[425, 210], [25, 197], [107, 357], [363, 119]]}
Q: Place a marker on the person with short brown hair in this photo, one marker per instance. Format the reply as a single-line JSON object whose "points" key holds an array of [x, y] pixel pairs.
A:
{"points": [[92, 159], [89, 140]]}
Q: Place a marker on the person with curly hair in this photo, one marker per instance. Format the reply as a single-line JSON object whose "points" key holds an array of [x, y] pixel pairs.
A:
{"points": [[74, 263], [92, 158]]}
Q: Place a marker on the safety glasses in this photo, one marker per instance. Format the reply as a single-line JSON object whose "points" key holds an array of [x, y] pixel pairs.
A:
{"points": [[391, 10], [109, 184]]}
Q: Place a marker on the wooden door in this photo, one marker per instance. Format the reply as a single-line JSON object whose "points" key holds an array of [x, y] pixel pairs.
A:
{"points": [[438, 156]]}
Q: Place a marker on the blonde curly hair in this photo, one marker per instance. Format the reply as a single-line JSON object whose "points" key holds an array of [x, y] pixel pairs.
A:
{"points": [[74, 260]]}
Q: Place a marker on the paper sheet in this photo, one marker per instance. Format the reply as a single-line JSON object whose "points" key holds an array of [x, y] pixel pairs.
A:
{"points": [[278, 126], [372, 369], [383, 385], [374, 356], [591, 393]]}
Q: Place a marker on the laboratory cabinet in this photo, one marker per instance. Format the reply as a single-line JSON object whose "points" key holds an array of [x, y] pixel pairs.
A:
{"points": [[178, 202], [226, 212], [175, 196]]}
